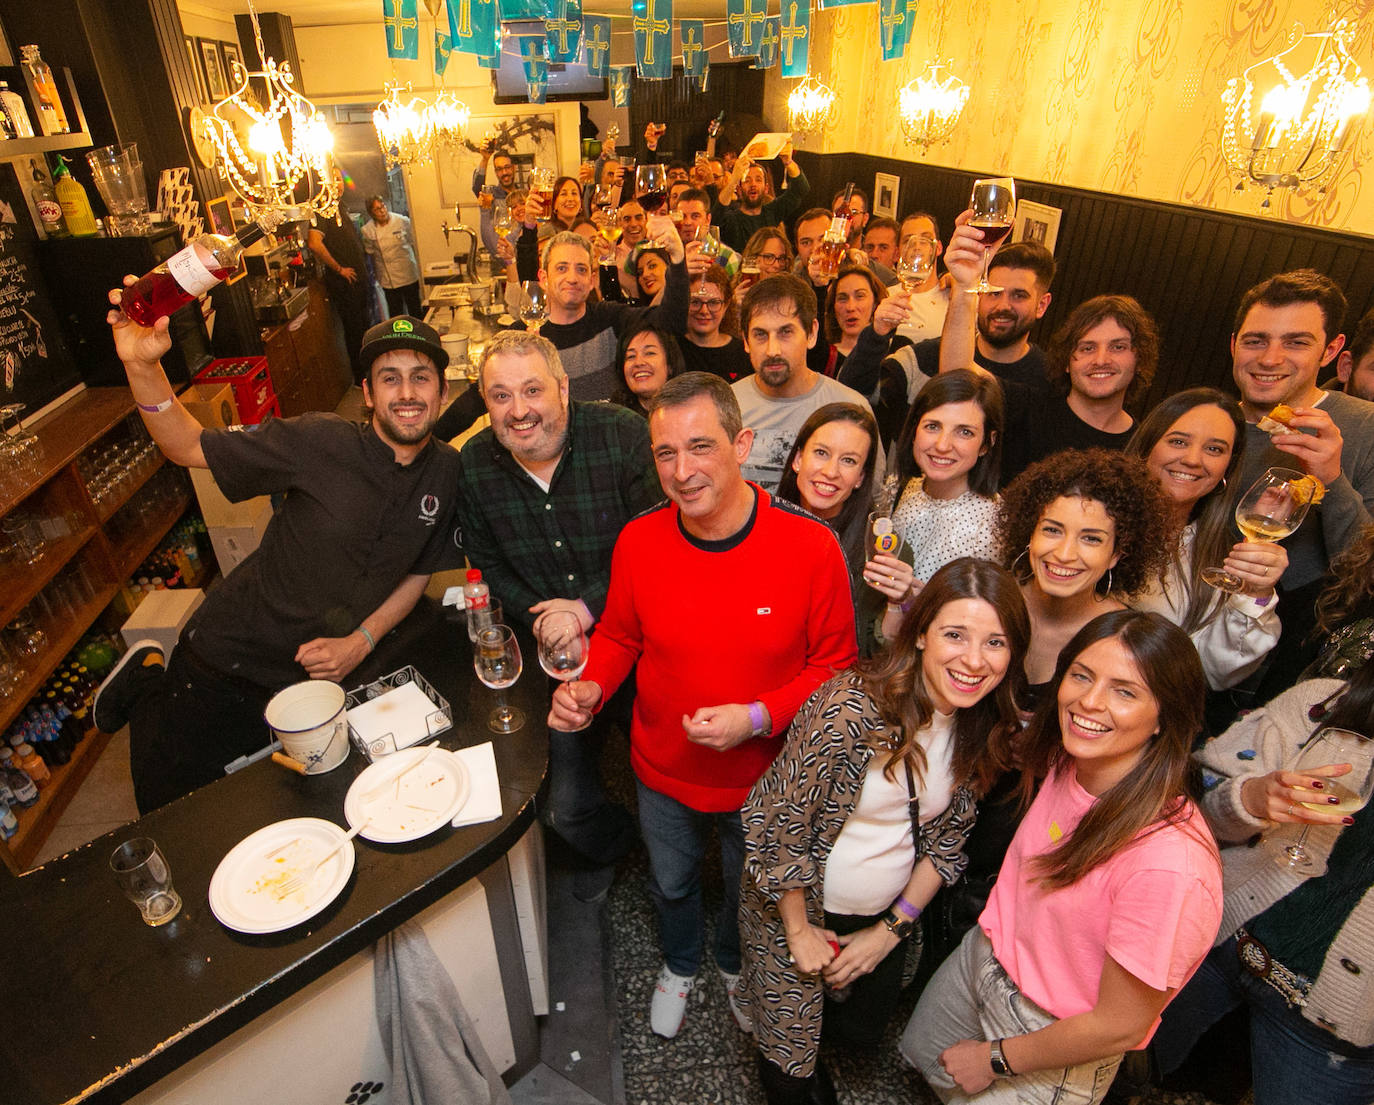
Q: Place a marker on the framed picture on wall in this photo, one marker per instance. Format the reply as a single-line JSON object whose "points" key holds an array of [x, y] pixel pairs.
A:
{"points": [[214, 68], [885, 189], [202, 94], [219, 216], [1036, 222], [230, 52]]}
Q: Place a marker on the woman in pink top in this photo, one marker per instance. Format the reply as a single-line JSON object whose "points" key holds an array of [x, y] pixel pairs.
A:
{"points": [[1110, 894]]}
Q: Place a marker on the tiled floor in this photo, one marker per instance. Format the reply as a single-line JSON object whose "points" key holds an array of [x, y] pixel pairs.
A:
{"points": [[103, 803]]}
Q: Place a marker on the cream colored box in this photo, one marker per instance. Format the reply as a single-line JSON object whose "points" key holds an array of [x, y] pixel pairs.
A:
{"points": [[161, 617]]}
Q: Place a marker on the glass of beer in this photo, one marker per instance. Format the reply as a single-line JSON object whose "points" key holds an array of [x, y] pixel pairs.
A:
{"points": [[541, 183]]}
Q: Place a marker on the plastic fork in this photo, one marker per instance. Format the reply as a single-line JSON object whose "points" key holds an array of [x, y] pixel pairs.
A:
{"points": [[300, 881]]}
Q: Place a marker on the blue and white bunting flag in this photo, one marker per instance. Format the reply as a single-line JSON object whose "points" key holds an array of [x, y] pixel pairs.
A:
{"points": [[563, 29], [620, 85], [768, 43], [795, 48], [692, 34], [537, 85], [473, 27], [744, 25], [402, 23], [841, 3], [532, 50], [596, 44], [523, 9], [654, 41], [892, 28], [443, 47]]}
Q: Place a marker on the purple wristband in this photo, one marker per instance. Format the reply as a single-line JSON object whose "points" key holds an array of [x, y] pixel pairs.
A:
{"points": [[756, 721], [911, 912]]}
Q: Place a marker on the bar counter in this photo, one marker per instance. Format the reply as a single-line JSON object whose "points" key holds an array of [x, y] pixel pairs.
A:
{"points": [[99, 1006]]}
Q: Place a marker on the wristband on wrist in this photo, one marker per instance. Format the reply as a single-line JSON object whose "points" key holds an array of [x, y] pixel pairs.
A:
{"points": [[758, 726], [371, 641], [901, 905], [158, 408]]}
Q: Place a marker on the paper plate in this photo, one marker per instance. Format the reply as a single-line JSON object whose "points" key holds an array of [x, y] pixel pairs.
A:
{"points": [[414, 804], [242, 889]]}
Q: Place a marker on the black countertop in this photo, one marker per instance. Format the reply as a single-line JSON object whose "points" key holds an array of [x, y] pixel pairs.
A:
{"points": [[98, 1006]]}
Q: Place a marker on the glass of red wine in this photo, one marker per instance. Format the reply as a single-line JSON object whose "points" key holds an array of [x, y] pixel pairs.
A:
{"points": [[651, 190], [994, 209]]}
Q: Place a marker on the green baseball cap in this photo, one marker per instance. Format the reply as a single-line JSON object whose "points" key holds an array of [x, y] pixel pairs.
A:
{"points": [[403, 332]]}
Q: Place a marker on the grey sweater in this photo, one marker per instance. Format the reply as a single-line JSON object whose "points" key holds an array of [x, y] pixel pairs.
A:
{"points": [[1342, 996]]}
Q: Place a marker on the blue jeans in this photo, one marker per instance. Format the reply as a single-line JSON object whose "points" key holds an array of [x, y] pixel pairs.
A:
{"points": [[578, 811], [1291, 1059], [676, 836]]}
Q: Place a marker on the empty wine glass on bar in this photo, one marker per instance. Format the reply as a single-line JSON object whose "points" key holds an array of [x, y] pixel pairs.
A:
{"points": [[498, 664], [1272, 508], [1352, 791], [562, 645], [994, 209]]}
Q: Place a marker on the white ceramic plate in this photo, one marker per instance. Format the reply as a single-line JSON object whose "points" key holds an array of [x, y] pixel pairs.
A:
{"points": [[425, 798], [242, 889]]}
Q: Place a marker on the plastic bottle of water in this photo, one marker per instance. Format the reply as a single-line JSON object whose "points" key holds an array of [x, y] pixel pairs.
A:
{"points": [[477, 603]]}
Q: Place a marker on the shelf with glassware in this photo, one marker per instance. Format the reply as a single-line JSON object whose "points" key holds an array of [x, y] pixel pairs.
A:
{"points": [[85, 501], [77, 138]]}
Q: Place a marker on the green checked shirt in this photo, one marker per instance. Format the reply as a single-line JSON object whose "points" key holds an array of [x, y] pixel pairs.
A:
{"points": [[533, 544]]}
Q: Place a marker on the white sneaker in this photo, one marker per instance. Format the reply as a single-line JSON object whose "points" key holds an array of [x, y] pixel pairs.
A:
{"points": [[731, 986], [668, 1009]]}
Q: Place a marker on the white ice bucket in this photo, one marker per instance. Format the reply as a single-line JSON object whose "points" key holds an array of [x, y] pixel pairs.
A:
{"points": [[310, 721]]}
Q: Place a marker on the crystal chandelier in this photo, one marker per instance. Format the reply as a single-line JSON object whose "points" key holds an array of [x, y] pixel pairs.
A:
{"points": [[448, 119], [811, 107], [270, 140], [403, 128], [929, 107], [1299, 140]]}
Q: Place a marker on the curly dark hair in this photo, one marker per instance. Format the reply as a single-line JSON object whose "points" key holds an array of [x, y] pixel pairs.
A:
{"points": [[1141, 511], [1127, 313], [1349, 593]]}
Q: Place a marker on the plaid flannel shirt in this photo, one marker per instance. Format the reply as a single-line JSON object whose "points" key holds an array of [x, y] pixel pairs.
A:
{"points": [[533, 544]]}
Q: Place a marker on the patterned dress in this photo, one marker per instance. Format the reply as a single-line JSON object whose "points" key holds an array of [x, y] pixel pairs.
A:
{"points": [[792, 819]]}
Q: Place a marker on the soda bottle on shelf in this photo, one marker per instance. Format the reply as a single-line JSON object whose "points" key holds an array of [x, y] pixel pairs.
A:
{"points": [[192, 271], [75, 204], [45, 200]]}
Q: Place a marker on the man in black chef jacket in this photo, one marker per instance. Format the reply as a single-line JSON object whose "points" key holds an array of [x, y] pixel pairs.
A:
{"points": [[368, 514]]}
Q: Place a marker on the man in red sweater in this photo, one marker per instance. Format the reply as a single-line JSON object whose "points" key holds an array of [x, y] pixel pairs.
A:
{"points": [[736, 607]]}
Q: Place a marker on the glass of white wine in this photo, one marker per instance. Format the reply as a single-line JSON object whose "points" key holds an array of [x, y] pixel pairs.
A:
{"points": [[1272, 508], [498, 664], [994, 210], [1352, 791], [916, 264]]}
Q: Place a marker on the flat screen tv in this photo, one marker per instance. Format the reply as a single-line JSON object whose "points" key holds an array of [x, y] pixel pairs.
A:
{"points": [[569, 81]]}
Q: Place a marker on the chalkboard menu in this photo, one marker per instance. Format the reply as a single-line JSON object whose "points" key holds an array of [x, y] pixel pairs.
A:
{"points": [[35, 367]]}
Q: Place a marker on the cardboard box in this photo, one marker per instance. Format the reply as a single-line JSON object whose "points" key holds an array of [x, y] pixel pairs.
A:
{"points": [[161, 617], [212, 405], [233, 544], [219, 511]]}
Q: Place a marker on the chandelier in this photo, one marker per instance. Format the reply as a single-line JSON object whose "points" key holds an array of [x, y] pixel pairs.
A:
{"points": [[811, 107], [271, 140], [1299, 139], [929, 107], [411, 131]]}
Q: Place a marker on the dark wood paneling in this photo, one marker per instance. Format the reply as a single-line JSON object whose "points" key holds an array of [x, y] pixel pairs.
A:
{"points": [[736, 89], [1188, 266]]}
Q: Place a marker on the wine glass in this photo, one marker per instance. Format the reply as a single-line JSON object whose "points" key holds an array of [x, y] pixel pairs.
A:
{"points": [[994, 209], [534, 302], [498, 665], [1329, 746], [502, 221], [916, 264], [562, 645], [651, 190], [1270, 510]]}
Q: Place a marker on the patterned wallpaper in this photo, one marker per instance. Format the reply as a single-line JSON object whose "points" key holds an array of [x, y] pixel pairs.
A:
{"points": [[1119, 96]]}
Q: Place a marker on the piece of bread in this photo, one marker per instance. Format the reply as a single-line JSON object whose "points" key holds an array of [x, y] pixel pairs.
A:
{"points": [[1278, 420]]}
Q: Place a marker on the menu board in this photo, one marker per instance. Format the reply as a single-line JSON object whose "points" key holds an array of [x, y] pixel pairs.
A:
{"points": [[35, 367]]}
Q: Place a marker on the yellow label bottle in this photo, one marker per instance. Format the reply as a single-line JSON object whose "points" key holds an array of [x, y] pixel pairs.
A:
{"points": [[71, 197]]}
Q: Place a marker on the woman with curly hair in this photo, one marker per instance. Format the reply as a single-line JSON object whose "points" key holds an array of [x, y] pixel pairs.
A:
{"points": [[862, 817], [712, 342], [1192, 443], [1345, 611], [1110, 895], [1083, 530]]}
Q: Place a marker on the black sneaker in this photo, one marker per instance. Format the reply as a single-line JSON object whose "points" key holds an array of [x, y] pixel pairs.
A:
{"points": [[115, 698]]}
